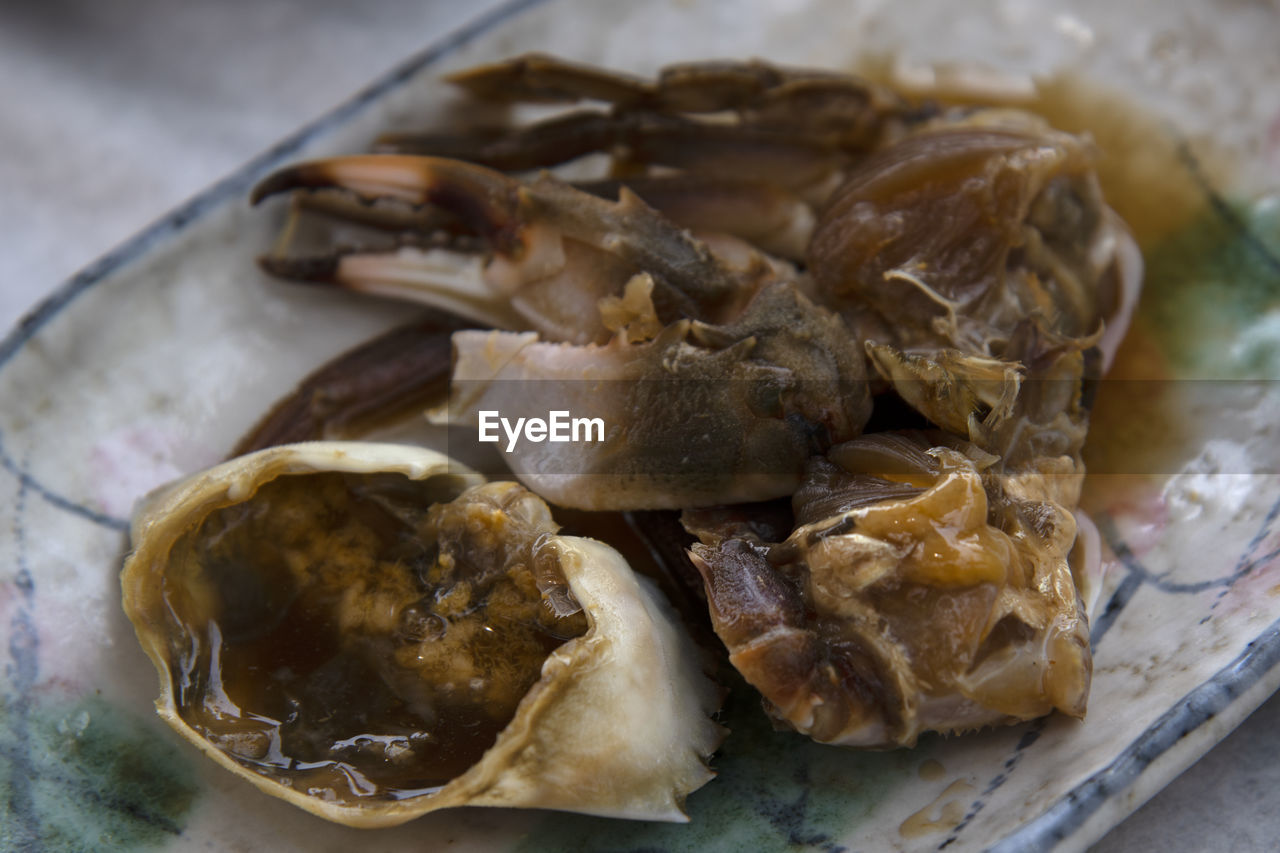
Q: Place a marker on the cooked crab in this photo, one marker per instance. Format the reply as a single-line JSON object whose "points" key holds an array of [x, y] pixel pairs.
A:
{"points": [[371, 632], [656, 314], [979, 263], [915, 590], [770, 233], [970, 251]]}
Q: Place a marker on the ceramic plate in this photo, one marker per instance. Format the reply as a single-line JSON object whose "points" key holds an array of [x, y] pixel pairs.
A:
{"points": [[150, 363]]}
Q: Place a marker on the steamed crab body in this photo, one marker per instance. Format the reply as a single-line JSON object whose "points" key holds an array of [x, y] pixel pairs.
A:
{"points": [[970, 253], [987, 277], [915, 590], [762, 242], [655, 310]]}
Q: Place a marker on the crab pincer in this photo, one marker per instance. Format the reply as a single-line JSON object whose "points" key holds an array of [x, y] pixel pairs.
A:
{"points": [[552, 252]]}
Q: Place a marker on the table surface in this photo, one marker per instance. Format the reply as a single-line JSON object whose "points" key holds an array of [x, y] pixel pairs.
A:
{"points": [[114, 113]]}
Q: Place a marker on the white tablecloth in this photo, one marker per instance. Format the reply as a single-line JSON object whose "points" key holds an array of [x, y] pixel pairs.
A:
{"points": [[113, 112]]}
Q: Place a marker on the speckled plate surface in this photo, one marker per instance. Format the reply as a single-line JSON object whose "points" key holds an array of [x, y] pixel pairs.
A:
{"points": [[149, 364]]}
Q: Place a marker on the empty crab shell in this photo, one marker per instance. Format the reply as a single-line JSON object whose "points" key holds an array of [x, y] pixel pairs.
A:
{"points": [[372, 633]]}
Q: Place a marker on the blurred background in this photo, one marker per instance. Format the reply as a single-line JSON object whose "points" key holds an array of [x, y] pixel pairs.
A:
{"points": [[113, 113]]}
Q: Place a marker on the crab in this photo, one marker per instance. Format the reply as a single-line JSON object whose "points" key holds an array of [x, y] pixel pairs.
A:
{"points": [[775, 267]]}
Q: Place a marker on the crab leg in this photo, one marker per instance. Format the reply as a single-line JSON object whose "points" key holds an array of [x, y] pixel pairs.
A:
{"points": [[539, 78], [799, 129], [763, 214], [691, 87], [556, 250], [782, 156], [547, 143], [403, 370]]}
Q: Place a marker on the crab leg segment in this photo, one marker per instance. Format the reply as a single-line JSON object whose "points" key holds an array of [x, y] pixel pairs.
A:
{"points": [[482, 199], [403, 370], [556, 250], [539, 78], [692, 87], [777, 154]]}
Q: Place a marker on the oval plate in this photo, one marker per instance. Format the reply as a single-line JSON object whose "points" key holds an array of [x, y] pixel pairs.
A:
{"points": [[152, 361]]}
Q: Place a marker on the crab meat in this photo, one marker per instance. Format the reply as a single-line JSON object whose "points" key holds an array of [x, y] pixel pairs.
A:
{"points": [[978, 261], [920, 590], [967, 229]]}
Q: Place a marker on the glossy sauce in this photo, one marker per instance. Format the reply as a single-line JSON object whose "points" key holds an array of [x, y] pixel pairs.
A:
{"points": [[948, 808], [346, 639], [1157, 180]]}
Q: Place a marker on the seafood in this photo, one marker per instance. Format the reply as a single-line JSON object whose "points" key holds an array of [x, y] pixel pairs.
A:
{"points": [[699, 414], [987, 277], [764, 248], [918, 590], [754, 131], [618, 286], [371, 632], [971, 252]]}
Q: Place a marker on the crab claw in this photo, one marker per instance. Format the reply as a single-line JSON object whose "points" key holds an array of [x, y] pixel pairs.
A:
{"points": [[482, 199], [554, 251]]}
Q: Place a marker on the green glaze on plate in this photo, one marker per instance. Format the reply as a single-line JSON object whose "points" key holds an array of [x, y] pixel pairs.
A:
{"points": [[1213, 292], [775, 791], [89, 777]]}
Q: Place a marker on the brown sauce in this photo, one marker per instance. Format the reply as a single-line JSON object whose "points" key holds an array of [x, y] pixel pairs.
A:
{"points": [[345, 638], [1155, 178], [941, 815]]}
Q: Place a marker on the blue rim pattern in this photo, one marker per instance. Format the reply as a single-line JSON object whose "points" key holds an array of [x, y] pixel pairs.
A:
{"points": [[1195, 709]]}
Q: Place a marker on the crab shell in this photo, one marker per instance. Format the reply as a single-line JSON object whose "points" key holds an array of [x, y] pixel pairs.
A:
{"points": [[617, 725]]}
